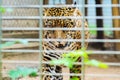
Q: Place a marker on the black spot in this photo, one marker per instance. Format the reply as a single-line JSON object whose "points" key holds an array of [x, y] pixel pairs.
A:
{"points": [[69, 8]]}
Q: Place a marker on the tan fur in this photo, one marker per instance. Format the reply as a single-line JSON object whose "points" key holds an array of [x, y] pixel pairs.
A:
{"points": [[61, 34]]}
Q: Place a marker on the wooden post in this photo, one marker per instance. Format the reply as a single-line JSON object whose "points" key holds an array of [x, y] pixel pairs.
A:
{"points": [[69, 1], [99, 23], [116, 23], [45, 1], [86, 9]]}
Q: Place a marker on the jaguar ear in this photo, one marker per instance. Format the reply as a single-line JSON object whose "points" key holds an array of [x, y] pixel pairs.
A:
{"points": [[75, 3]]}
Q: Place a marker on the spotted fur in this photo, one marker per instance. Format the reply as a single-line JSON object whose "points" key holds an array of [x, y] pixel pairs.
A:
{"points": [[61, 34]]}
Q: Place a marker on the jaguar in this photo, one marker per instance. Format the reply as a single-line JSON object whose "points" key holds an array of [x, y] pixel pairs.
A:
{"points": [[62, 29]]}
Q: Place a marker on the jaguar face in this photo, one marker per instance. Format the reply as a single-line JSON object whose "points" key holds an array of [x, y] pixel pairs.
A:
{"points": [[62, 36]]}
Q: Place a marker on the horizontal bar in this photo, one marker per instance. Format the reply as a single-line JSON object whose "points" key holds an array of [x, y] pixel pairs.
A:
{"points": [[86, 74], [20, 62], [68, 40], [25, 51], [61, 51], [104, 52], [103, 75], [32, 28], [37, 62], [45, 6], [59, 17], [20, 17]]}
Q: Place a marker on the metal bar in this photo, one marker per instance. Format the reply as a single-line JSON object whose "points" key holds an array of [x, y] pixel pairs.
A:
{"points": [[0, 42], [103, 75], [46, 6], [61, 51], [83, 39], [59, 17], [69, 40], [87, 75], [43, 62], [71, 74], [32, 28], [40, 37], [21, 50]]}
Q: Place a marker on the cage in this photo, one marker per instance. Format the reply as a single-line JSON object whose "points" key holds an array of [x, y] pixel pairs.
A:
{"points": [[24, 22]]}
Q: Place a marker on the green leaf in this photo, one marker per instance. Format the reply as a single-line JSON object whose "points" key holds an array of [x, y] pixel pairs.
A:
{"points": [[68, 62], [82, 53], [24, 71], [2, 10], [10, 43], [14, 74], [6, 44], [96, 63], [74, 78], [77, 53], [21, 71], [33, 74], [23, 41], [63, 61], [103, 65], [57, 62]]}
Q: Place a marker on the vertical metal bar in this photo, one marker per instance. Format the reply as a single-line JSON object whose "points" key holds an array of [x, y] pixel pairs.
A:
{"points": [[40, 36], [0, 42], [83, 38]]}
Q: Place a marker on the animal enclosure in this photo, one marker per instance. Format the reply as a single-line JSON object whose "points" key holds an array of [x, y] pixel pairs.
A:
{"points": [[25, 23]]}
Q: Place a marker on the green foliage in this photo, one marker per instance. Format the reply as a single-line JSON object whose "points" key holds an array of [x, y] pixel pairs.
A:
{"points": [[22, 72], [63, 61], [6, 44], [68, 59], [10, 43], [74, 78], [2, 10], [23, 41], [33, 74], [14, 74], [96, 63]]}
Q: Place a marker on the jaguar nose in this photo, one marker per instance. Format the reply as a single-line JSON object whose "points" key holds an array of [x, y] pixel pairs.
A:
{"points": [[60, 46]]}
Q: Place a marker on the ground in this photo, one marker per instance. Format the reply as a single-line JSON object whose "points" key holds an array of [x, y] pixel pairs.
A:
{"points": [[113, 70], [88, 70]]}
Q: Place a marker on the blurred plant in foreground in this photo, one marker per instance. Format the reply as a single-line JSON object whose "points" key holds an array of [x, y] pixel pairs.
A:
{"points": [[3, 10], [22, 72], [68, 60]]}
